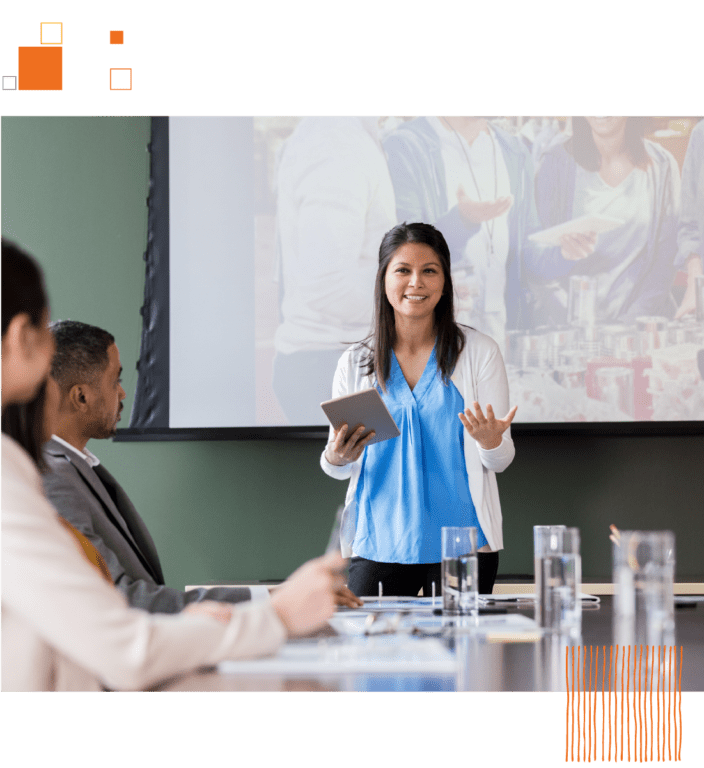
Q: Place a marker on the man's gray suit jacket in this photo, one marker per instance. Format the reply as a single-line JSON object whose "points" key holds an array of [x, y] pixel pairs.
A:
{"points": [[102, 511]]}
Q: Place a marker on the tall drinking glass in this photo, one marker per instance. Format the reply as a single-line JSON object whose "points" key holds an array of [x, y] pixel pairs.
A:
{"points": [[558, 576], [644, 575], [460, 572]]}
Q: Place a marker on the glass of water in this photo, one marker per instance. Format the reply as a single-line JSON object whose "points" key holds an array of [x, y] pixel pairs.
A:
{"points": [[460, 572], [644, 575], [558, 579]]}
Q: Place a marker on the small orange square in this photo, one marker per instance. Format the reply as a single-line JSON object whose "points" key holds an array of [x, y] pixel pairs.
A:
{"points": [[117, 37]]}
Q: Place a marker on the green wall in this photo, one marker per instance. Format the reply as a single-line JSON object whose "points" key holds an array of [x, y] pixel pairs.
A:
{"points": [[74, 194]]}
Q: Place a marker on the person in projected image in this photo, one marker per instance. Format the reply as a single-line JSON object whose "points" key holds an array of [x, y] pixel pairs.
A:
{"points": [[334, 203], [441, 470], [474, 182], [690, 233], [64, 624], [609, 169], [86, 372]]}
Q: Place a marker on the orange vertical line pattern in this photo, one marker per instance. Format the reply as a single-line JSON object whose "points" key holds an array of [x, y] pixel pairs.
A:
{"points": [[658, 701], [577, 715], [679, 706], [645, 707], [589, 715], [611, 649], [652, 665], [679, 709], [567, 714], [628, 704], [584, 704], [636, 714], [580, 754], [616, 705], [623, 659], [669, 704], [664, 714], [640, 706], [594, 712], [674, 719], [603, 705], [579, 732], [572, 739]]}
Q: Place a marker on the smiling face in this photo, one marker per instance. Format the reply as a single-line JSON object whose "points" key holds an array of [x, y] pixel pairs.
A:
{"points": [[414, 281]]}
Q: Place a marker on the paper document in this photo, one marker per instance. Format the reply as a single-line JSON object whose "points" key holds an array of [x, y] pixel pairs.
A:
{"points": [[375, 655]]}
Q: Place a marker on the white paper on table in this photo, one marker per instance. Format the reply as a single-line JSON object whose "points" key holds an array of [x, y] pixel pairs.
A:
{"points": [[354, 626], [389, 654], [528, 597], [581, 225]]}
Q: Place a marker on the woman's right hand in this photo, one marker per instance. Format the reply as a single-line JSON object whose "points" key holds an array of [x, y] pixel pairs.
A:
{"points": [[344, 448]]}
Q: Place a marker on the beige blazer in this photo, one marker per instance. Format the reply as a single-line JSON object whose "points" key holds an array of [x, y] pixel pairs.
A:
{"points": [[65, 628]]}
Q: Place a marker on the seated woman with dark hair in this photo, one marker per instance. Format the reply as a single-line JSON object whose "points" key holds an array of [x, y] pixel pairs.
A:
{"points": [[64, 626]]}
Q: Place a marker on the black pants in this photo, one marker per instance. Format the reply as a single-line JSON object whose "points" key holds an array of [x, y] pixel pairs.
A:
{"points": [[406, 580]]}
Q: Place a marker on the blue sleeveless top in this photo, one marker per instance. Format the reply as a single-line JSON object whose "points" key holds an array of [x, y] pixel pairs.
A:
{"points": [[413, 485]]}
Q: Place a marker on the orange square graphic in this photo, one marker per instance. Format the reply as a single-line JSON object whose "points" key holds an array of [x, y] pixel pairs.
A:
{"points": [[117, 37], [41, 32], [119, 69], [40, 69]]}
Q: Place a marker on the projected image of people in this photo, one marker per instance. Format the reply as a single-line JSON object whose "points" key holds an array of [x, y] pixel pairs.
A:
{"points": [[575, 244], [334, 203]]}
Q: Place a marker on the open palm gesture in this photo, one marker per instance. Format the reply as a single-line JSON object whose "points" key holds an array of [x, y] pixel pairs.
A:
{"points": [[486, 429]]}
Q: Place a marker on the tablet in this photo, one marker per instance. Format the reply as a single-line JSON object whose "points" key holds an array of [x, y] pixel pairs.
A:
{"points": [[582, 225], [365, 407]]}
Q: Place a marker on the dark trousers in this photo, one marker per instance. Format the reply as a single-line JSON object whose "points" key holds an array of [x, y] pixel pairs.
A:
{"points": [[406, 580]]}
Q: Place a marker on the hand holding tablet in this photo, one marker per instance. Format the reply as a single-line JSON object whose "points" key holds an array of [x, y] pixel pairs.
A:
{"points": [[358, 420], [348, 446]]}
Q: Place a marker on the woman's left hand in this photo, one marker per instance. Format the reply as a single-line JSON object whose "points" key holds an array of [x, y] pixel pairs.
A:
{"points": [[486, 430]]}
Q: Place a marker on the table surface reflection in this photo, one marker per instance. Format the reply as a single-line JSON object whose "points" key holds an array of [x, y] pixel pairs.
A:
{"points": [[482, 664]]}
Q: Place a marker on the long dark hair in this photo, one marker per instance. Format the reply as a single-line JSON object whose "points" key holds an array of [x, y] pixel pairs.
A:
{"points": [[22, 286], [24, 423], [23, 291], [585, 152], [450, 338]]}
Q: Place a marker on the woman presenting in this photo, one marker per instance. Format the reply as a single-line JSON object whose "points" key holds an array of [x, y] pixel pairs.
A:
{"points": [[442, 385]]}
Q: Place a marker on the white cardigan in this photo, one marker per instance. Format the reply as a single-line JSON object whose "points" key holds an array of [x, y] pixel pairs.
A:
{"points": [[65, 628], [479, 375]]}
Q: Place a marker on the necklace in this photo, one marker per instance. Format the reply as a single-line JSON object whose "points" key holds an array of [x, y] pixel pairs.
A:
{"points": [[491, 222]]}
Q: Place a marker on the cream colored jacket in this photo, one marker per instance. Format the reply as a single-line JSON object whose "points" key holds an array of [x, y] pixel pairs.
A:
{"points": [[65, 628], [479, 375]]}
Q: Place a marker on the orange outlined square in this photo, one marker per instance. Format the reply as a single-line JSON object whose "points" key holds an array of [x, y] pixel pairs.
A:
{"points": [[40, 69], [120, 69], [41, 32], [117, 37]]}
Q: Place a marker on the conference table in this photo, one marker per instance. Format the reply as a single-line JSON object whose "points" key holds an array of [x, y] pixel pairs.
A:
{"points": [[418, 651]]}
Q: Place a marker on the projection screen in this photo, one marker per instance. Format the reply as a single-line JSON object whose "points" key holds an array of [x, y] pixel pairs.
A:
{"points": [[263, 249]]}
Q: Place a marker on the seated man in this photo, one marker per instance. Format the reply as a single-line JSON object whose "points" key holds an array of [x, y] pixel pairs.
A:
{"points": [[86, 369]]}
